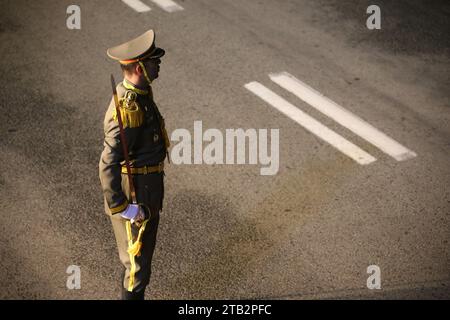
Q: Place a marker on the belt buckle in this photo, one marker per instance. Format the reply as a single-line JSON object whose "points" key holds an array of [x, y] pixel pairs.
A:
{"points": [[145, 170]]}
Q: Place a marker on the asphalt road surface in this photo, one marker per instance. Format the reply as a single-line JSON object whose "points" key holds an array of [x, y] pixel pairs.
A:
{"points": [[228, 232]]}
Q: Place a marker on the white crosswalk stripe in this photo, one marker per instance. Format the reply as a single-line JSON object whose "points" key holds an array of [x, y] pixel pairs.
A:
{"points": [[310, 124], [342, 116], [168, 5], [137, 5]]}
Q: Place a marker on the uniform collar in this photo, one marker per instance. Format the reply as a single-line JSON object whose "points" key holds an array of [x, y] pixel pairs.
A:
{"points": [[128, 85]]}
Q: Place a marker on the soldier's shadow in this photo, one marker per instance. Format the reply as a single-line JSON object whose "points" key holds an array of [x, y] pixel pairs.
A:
{"points": [[199, 247]]}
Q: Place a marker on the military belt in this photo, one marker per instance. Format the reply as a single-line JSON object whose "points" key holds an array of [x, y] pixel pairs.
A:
{"points": [[146, 169]]}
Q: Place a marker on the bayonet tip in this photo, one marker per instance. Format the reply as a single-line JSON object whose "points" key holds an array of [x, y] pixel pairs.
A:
{"points": [[113, 84]]}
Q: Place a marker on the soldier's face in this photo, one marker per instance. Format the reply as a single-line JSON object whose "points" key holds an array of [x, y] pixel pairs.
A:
{"points": [[152, 67]]}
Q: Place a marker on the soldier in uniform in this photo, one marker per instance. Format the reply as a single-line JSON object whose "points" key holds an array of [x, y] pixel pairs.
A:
{"points": [[147, 141]]}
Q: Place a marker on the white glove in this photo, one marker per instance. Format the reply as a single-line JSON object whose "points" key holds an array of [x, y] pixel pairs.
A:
{"points": [[131, 212], [134, 213]]}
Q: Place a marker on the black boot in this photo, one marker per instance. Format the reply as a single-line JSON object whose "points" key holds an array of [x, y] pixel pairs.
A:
{"points": [[134, 295]]}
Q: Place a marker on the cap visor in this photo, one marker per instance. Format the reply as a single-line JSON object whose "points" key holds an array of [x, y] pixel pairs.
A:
{"points": [[158, 53]]}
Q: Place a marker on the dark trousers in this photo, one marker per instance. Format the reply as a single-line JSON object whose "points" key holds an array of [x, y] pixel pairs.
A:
{"points": [[149, 192]]}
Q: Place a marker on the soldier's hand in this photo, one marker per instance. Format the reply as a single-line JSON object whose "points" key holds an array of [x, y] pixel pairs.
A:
{"points": [[131, 212]]}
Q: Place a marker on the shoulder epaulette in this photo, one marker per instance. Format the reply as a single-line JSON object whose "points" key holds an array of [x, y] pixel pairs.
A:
{"points": [[131, 113]]}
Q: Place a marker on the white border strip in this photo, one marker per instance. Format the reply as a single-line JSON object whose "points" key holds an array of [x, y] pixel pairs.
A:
{"points": [[342, 116], [137, 5], [310, 124], [168, 5]]}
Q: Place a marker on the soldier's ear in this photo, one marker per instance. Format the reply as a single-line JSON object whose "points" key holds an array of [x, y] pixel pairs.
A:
{"points": [[138, 69]]}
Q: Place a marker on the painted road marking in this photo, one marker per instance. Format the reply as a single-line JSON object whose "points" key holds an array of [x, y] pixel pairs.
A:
{"points": [[342, 116], [168, 5], [310, 124], [137, 5]]}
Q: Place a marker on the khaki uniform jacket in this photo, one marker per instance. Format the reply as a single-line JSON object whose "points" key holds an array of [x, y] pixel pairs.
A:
{"points": [[146, 139]]}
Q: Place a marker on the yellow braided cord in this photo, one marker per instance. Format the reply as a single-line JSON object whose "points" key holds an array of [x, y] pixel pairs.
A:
{"points": [[145, 73], [134, 249], [133, 264]]}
